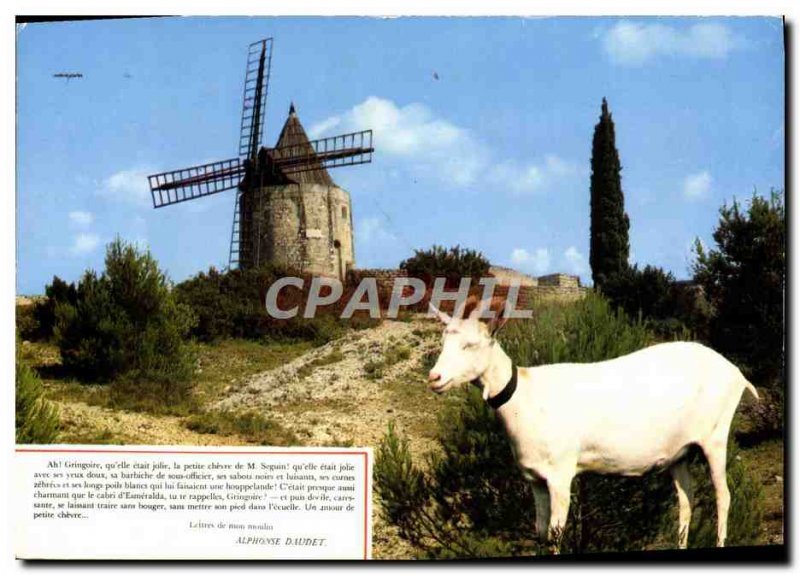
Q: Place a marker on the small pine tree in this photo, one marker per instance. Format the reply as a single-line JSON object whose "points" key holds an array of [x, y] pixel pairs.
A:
{"points": [[125, 322], [609, 245], [44, 311]]}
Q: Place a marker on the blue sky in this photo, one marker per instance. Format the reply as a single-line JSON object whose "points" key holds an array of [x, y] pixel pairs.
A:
{"points": [[493, 155]]}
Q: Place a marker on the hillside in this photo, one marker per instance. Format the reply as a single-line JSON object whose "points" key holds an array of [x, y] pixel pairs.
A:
{"points": [[343, 393]]}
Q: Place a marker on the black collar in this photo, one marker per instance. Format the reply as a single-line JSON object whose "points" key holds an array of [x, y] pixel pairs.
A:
{"points": [[502, 398]]}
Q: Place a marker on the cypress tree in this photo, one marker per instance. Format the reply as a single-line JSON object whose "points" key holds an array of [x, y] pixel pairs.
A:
{"points": [[609, 245]]}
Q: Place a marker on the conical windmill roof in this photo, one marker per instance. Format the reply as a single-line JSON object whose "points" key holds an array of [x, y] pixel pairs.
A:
{"points": [[293, 134]]}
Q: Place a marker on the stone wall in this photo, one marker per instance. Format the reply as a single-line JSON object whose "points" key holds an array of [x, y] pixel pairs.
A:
{"points": [[559, 280], [507, 276], [553, 293], [528, 294], [384, 277]]}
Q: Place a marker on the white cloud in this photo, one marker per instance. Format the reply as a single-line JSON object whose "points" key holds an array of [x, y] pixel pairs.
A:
{"points": [[574, 261], [129, 186], [371, 230], [537, 262], [413, 133], [631, 43], [431, 146], [83, 244], [697, 186], [81, 218], [318, 129], [532, 177]]}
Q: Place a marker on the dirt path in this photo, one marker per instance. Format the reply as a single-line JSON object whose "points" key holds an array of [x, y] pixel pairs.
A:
{"points": [[347, 392]]}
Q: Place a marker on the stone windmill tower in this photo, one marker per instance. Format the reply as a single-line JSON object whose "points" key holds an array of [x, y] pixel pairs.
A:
{"points": [[288, 210], [301, 220]]}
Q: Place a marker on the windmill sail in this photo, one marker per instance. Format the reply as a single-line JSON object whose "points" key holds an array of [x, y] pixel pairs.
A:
{"points": [[343, 150], [254, 103], [295, 160], [177, 186]]}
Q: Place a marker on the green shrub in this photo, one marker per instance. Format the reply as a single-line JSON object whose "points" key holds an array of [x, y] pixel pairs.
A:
{"points": [[587, 331], [44, 310], [452, 264], [125, 322], [27, 325], [744, 279], [652, 294], [374, 369], [761, 420], [251, 426], [231, 304], [227, 304], [334, 356], [158, 395], [472, 501], [37, 419], [396, 353]]}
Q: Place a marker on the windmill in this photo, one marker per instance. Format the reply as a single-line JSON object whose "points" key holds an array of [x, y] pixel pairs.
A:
{"points": [[284, 194]]}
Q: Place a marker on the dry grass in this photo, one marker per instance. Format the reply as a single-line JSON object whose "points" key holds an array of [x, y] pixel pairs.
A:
{"points": [[251, 426]]}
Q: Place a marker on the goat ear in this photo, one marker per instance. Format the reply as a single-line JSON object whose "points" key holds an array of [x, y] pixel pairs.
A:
{"points": [[483, 305], [443, 317], [499, 320], [497, 324]]}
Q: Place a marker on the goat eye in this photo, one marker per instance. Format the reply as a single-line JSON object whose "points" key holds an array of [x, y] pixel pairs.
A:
{"points": [[470, 345]]}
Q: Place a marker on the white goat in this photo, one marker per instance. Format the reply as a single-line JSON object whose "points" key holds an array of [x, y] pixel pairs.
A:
{"points": [[622, 416]]}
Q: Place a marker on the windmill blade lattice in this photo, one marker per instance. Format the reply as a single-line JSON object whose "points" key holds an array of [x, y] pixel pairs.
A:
{"points": [[177, 186], [295, 160], [343, 150], [254, 102]]}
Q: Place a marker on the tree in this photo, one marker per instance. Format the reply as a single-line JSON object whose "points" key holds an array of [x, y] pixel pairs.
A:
{"points": [[44, 311], [609, 245], [744, 280], [125, 321]]}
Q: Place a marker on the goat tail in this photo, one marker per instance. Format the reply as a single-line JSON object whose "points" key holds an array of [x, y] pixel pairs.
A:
{"points": [[751, 388]]}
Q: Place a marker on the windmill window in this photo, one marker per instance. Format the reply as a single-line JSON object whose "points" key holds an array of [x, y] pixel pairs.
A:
{"points": [[344, 212]]}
